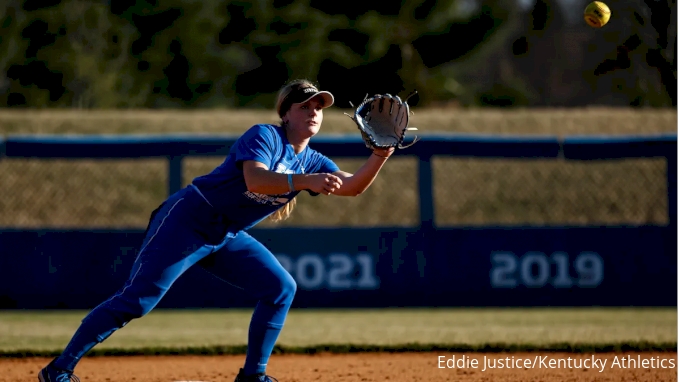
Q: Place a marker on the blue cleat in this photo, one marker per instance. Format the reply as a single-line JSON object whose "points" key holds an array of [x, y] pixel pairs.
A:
{"points": [[52, 374], [241, 377]]}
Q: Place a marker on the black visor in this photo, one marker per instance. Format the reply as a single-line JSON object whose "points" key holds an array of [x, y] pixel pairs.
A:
{"points": [[303, 93]]}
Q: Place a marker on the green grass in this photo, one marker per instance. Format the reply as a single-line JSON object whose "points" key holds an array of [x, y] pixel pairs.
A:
{"points": [[225, 331], [122, 193]]}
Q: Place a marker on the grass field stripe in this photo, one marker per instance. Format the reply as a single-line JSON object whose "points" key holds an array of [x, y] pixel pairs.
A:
{"points": [[213, 331]]}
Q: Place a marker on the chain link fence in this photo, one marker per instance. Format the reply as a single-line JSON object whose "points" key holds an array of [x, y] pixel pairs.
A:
{"points": [[96, 194], [550, 192]]}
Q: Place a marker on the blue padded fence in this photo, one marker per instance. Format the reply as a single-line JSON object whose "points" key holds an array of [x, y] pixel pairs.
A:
{"points": [[423, 265]]}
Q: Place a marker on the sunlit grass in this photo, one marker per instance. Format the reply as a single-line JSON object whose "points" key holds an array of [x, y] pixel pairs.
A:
{"points": [[22, 330]]}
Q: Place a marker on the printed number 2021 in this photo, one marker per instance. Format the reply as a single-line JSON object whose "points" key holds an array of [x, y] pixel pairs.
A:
{"points": [[535, 270], [336, 271]]}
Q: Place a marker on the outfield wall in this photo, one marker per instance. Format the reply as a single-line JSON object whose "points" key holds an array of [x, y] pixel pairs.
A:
{"points": [[385, 266]]}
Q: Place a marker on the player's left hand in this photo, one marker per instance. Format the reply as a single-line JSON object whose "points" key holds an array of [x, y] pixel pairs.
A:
{"points": [[384, 152], [383, 121]]}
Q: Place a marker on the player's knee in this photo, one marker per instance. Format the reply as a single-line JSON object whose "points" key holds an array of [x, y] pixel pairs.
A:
{"points": [[285, 290], [289, 287], [145, 309], [127, 310], [135, 302]]}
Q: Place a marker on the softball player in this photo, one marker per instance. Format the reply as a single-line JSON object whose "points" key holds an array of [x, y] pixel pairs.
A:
{"points": [[206, 223]]}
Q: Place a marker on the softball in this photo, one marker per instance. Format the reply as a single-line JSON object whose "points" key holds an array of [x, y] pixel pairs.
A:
{"points": [[597, 14]]}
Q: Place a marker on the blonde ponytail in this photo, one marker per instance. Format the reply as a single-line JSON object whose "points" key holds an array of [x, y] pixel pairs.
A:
{"points": [[284, 212]]}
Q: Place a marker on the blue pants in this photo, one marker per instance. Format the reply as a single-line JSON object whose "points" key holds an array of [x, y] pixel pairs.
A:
{"points": [[182, 232]]}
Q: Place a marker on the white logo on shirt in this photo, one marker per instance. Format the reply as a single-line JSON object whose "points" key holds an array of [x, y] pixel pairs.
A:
{"points": [[281, 169]]}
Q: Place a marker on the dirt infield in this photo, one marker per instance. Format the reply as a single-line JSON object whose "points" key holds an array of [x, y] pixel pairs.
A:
{"points": [[524, 367]]}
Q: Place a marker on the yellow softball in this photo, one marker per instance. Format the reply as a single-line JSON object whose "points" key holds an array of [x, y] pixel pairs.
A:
{"points": [[597, 14]]}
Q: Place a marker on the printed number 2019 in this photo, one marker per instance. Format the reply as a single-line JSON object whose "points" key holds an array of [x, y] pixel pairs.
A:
{"points": [[535, 270]]}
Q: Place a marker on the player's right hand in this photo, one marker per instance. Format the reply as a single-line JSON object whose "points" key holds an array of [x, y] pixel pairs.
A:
{"points": [[323, 183]]}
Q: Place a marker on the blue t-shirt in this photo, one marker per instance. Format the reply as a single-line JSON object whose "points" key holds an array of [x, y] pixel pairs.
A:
{"points": [[225, 187]]}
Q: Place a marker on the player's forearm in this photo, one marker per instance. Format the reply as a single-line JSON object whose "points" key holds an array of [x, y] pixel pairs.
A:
{"points": [[362, 179], [272, 183]]}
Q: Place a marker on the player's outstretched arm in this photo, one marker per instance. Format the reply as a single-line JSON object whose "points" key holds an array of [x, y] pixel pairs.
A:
{"points": [[355, 184], [261, 180]]}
